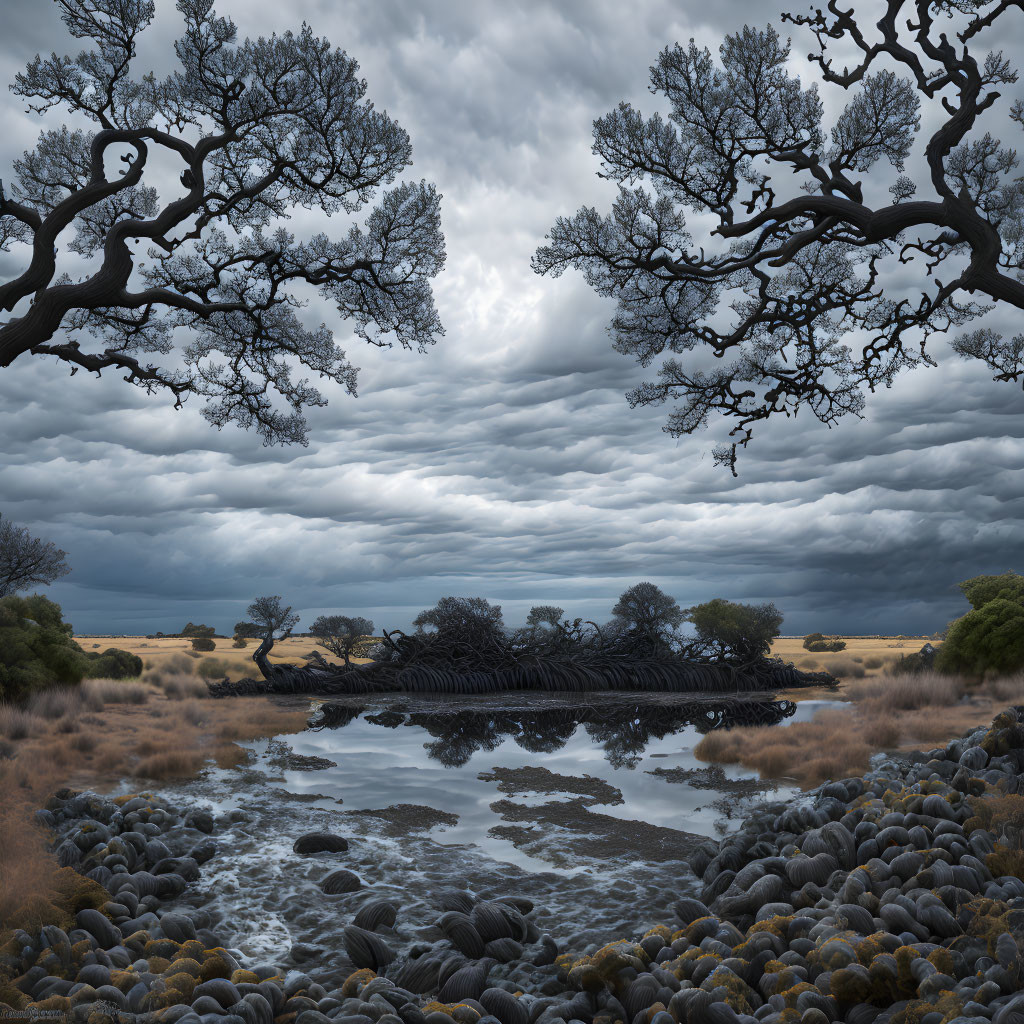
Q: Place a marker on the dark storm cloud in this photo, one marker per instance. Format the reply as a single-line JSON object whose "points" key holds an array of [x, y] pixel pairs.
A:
{"points": [[504, 462]]}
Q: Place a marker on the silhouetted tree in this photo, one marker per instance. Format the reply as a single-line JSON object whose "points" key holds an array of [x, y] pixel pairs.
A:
{"points": [[457, 613], [266, 620], [256, 128], [342, 635], [190, 629], [544, 615], [26, 561], [647, 609], [799, 297]]}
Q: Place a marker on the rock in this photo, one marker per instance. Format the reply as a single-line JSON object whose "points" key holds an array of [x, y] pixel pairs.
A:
{"points": [[341, 881], [219, 989], [376, 914], [203, 852], [367, 949], [201, 820], [178, 927], [106, 933], [319, 842]]}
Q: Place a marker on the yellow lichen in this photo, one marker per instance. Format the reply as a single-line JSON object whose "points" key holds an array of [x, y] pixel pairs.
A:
{"points": [[355, 981]]}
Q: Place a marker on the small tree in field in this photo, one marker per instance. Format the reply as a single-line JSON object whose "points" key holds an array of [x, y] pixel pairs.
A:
{"points": [[647, 609], [807, 273], [26, 561], [256, 129], [239, 641], [268, 622], [266, 619], [735, 632], [203, 643], [544, 615], [342, 635]]}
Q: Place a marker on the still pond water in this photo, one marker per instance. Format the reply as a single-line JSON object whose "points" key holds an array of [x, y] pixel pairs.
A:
{"points": [[587, 806]]}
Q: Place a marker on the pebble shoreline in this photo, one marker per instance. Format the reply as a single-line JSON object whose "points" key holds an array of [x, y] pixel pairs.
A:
{"points": [[864, 900]]}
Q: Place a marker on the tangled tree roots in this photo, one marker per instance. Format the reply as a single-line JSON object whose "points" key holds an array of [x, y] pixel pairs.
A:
{"points": [[643, 676]]}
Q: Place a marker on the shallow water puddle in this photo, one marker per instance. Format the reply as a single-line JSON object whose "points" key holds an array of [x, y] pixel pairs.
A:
{"points": [[588, 807]]}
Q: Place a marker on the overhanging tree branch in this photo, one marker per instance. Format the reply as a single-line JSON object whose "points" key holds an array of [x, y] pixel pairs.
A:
{"points": [[813, 327], [260, 127]]}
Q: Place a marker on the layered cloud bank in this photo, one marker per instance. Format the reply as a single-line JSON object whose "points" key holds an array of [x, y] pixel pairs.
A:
{"points": [[505, 462]]}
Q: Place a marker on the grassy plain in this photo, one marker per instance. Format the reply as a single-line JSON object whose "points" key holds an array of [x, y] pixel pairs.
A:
{"points": [[235, 662]]}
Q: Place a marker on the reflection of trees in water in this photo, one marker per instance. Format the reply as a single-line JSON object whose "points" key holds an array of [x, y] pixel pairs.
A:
{"points": [[623, 729]]}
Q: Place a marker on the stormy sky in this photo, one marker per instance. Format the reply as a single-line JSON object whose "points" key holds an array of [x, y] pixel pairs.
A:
{"points": [[505, 462]]}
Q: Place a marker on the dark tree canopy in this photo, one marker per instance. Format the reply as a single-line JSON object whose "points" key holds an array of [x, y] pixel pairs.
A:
{"points": [[26, 561], [267, 619], [990, 637], [544, 615], [452, 614], [36, 647], [191, 629], [649, 610], [793, 287], [732, 631], [341, 634], [255, 129], [979, 590]]}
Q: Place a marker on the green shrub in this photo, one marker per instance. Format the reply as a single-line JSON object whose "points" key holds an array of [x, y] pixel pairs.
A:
{"points": [[989, 638], [819, 643], [36, 647], [113, 663], [736, 631], [203, 643]]}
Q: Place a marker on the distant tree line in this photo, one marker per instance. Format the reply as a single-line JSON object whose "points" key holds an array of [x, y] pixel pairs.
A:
{"points": [[470, 631]]}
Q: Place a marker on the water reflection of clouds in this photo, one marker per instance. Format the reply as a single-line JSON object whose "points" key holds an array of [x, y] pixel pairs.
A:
{"points": [[402, 750]]}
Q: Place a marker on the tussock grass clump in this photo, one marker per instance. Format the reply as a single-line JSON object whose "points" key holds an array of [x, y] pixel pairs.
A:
{"points": [[116, 691], [183, 687], [882, 732], [83, 742], [873, 663], [192, 712], [909, 692], [216, 668], [826, 747], [170, 764], [844, 668], [1006, 689], [63, 702], [19, 723]]}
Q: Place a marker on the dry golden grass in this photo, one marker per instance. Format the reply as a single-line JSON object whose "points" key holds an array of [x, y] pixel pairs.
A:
{"points": [[115, 691], [876, 652], [164, 653], [827, 747], [77, 738], [885, 712], [906, 692]]}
